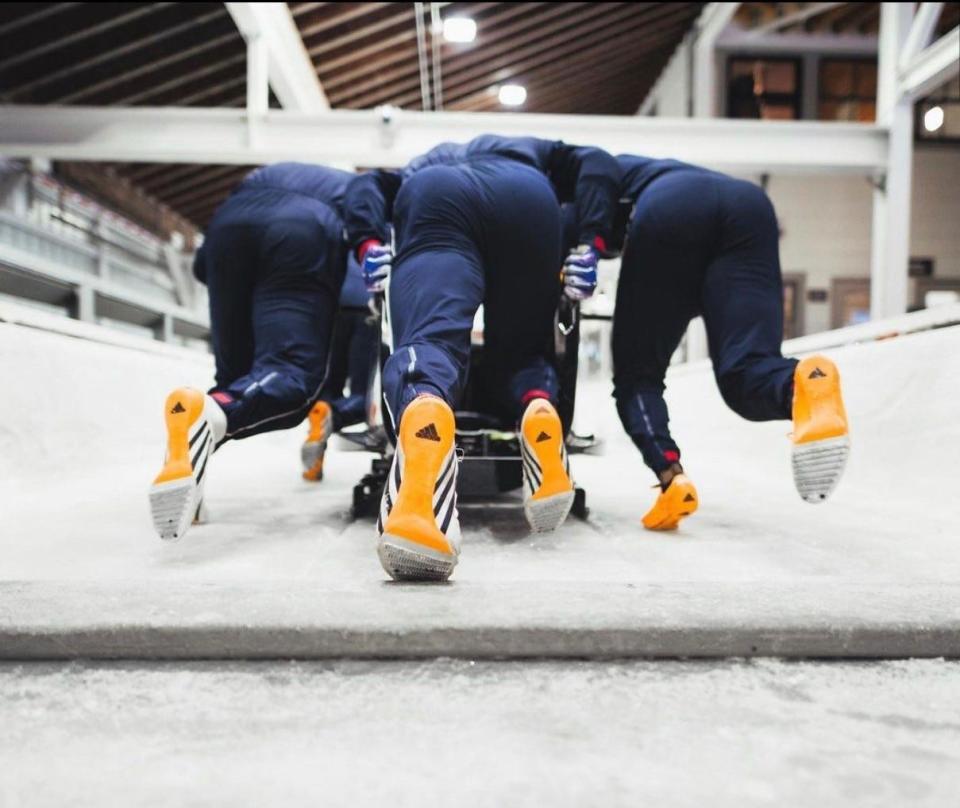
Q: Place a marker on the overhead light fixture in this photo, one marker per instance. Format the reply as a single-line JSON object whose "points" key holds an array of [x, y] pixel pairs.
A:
{"points": [[933, 119], [459, 29], [512, 95]]}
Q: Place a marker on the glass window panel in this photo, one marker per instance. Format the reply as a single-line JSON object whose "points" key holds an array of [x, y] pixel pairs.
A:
{"points": [[778, 77], [836, 79], [778, 112], [866, 80]]}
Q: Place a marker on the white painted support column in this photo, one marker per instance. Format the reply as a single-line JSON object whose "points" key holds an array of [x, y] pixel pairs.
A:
{"points": [[182, 278], [711, 23], [921, 32], [890, 237], [164, 328], [292, 74], [258, 85], [933, 67], [715, 17], [85, 309], [103, 265]]}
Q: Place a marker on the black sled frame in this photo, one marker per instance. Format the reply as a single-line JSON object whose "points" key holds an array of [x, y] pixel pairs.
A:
{"points": [[488, 448]]}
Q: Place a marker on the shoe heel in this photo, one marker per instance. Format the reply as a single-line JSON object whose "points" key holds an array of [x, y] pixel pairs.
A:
{"points": [[820, 433], [550, 492], [547, 514], [412, 545], [404, 560], [177, 490], [173, 505], [818, 466]]}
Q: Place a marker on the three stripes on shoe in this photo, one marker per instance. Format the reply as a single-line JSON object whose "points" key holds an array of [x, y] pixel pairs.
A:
{"points": [[444, 505], [202, 437], [532, 472]]}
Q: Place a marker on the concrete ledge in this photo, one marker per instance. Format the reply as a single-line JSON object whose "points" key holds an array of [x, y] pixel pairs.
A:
{"points": [[53, 621]]}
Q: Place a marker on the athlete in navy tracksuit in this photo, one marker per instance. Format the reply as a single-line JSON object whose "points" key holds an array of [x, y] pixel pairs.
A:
{"points": [[479, 223], [702, 243], [476, 223], [698, 243], [274, 261]]}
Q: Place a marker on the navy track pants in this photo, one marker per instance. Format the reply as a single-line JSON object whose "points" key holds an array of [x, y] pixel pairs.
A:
{"points": [[485, 231], [699, 243], [274, 264]]}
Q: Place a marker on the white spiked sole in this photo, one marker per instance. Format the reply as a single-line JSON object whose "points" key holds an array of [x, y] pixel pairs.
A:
{"points": [[310, 453], [174, 505], [405, 560], [544, 515], [818, 466]]}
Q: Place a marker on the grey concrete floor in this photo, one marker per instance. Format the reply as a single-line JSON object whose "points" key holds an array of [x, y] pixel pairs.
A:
{"points": [[480, 734]]}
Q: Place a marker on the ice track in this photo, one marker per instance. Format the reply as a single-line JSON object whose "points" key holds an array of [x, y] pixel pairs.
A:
{"points": [[876, 568], [225, 667]]}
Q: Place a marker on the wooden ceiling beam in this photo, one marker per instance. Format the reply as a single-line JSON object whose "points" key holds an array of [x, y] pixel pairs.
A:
{"points": [[402, 47], [552, 39], [509, 71]]}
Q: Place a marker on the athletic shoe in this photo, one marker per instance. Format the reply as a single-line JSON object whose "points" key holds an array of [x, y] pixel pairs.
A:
{"points": [[194, 424], [419, 527], [677, 501], [548, 491], [821, 443], [315, 446]]}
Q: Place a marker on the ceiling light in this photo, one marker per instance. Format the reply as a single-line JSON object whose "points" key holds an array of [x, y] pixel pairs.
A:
{"points": [[512, 95], [459, 29], [933, 119]]}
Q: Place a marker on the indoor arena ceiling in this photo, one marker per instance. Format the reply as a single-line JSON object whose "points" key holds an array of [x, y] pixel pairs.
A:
{"points": [[587, 58]]}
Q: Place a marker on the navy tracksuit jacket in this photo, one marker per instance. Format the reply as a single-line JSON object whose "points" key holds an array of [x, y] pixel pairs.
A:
{"points": [[273, 261], [698, 243], [479, 223]]}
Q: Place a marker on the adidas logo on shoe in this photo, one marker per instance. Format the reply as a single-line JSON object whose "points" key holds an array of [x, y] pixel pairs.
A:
{"points": [[817, 374], [542, 437], [177, 409], [429, 432]]}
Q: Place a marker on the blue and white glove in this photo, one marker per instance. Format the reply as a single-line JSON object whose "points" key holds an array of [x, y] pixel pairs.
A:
{"points": [[376, 263], [580, 272]]}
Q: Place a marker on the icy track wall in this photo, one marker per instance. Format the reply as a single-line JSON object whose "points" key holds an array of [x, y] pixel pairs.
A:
{"points": [[78, 399], [71, 405]]}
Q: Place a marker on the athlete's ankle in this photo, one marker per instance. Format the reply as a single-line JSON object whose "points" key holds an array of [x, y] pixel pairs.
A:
{"points": [[666, 476]]}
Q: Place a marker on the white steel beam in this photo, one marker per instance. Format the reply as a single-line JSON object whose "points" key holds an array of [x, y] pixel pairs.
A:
{"points": [[890, 235], [738, 39], [921, 32], [710, 24], [677, 72], [812, 10], [291, 71], [391, 137], [932, 67], [258, 88]]}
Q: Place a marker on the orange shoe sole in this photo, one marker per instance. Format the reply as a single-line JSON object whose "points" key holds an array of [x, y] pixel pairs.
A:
{"points": [[821, 443], [177, 491]]}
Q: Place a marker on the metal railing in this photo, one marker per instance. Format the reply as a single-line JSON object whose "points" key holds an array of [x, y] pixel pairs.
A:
{"points": [[65, 252]]}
